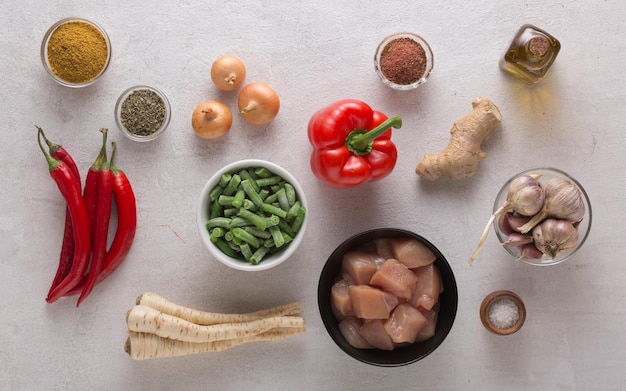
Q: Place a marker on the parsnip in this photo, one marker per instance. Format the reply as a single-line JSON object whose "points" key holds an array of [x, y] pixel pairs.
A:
{"points": [[142, 346], [142, 318], [461, 157], [209, 318]]}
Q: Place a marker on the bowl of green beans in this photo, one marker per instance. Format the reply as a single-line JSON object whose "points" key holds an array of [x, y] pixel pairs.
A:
{"points": [[252, 215]]}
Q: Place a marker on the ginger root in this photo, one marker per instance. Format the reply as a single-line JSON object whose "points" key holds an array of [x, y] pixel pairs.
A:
{"points": [[461, 156]]}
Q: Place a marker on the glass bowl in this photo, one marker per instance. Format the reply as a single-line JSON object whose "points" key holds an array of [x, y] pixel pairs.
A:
{"points": [[150, 111], [413, 81], [583, 227], [271, 259], [400, 356], [73, 55]]}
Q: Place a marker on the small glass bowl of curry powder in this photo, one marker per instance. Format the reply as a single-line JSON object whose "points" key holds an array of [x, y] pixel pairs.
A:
{"points": [[76, 52], [403, 61]]}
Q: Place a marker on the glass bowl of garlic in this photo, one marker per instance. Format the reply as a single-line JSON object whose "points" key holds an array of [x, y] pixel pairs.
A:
{"points": [[542, 216]]}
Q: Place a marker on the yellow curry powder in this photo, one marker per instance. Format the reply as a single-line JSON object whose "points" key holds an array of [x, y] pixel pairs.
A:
{"points": [[77, 52]]}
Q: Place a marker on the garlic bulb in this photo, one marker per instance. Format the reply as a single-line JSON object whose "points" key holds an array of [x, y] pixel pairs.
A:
{"points": [[563, 200], [529, 251], [525, 197], [555, 236]]}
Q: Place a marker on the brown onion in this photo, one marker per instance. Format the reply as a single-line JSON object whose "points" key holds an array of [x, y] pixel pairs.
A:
{"points": [[228, 73], [211, 119], [258, 103]]}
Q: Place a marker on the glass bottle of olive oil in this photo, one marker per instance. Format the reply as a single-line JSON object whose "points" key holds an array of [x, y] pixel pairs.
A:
{"points": [[530, 54]]}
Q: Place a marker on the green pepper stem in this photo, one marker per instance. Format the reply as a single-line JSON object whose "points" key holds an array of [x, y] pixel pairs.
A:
{"points": [[360, 141], [52, 162]]}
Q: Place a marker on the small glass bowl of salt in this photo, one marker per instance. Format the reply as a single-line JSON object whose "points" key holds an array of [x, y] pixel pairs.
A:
{"points": [[502, 312]]}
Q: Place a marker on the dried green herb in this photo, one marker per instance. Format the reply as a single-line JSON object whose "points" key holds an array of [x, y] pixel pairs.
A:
{"points": [[143, 112]]}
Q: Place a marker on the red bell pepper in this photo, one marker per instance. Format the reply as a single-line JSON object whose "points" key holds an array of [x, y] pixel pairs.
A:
{"points": [[351, 144]]}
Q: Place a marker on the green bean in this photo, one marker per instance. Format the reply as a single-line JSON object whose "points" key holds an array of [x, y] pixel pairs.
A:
{"points": [[231, 188], [259, 221], [258, 255], [268, 208], [270, 199], [238, 198], [247, 204], [297, 222], [277, 236], [224, 179], [264, 193], [246, 174], [226, 249], [293, 211], [290, 191], [262, 172], [286, 228], [273, 180], [257, 232], [254, 196], [225, 200], [272, 221], [239, 221], [223, 222], [229, 212], [246, 251], [216, 233], [282, 199], [246, 237], [217, 190], [216, 209]]}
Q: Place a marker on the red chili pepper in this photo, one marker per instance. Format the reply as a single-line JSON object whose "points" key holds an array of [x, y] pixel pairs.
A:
{"points": [[69, 188], [126, 224], [102, 215], [67, 248], [352, 144], [126, 221]]}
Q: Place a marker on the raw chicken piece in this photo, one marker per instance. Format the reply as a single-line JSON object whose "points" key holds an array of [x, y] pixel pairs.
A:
{"points": [[394, 277], [340, 298], [428, 331], [426, 293], [411, 252], [405, 323], [373, 331], [371, 303], [383, 247], [358, 266], [350, 329]]}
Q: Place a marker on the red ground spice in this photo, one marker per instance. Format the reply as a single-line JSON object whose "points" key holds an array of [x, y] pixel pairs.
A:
{"points": [[403, 61]]}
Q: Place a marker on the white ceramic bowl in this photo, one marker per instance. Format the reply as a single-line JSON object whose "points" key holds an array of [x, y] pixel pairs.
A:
{"points": [[583, 227], [271, 259]]}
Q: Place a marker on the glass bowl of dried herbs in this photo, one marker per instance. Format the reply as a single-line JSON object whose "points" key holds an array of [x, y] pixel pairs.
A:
{"points": [[403, 61], [142, 113], [76, 52]]}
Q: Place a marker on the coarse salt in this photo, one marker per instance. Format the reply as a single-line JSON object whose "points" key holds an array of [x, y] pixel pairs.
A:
{"points": [[503, 313]]}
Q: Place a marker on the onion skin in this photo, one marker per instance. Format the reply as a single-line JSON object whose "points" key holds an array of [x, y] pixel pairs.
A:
{"points": [[228, 73], [258, 103], [211, 119]]}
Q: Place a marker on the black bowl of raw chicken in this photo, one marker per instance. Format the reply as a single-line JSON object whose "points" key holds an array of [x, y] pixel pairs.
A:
{"points": [[387, 297]]}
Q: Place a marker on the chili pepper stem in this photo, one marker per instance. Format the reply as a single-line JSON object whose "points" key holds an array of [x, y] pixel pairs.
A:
{"points": [[360, 141], [52, 162]]}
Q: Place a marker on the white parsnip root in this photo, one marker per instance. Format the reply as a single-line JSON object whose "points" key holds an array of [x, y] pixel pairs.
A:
{"points": [[461, 157], [207, 318], [160, 328]]}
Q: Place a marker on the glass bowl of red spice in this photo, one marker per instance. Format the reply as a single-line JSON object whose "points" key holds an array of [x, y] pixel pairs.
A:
{"points": [[76, 52], [403, 61]]}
